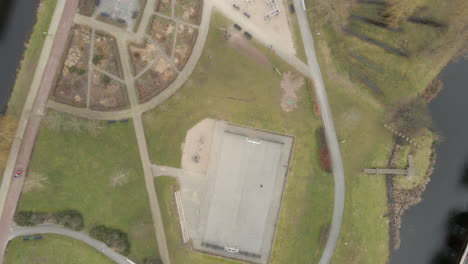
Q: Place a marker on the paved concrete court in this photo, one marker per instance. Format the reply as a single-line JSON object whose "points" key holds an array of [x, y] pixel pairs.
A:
{"points": [[120, 9], [243, 190]]}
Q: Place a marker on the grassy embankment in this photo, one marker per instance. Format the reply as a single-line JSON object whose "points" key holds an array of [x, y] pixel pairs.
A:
{"points": [[99, 175], [53, 249], [295, 32], [359, 114], [31, 58], [9, 123], [228, 85]]}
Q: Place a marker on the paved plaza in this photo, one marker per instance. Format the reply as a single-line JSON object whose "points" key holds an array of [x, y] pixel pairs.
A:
{"points": [[232, 210]]}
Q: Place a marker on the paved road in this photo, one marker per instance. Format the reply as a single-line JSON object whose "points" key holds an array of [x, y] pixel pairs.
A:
{"points": [[338, 171], [30, 121], [82, 236]]}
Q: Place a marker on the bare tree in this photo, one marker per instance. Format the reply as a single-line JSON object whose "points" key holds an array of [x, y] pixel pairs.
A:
{"points": [[410, 117], [399, 10], [73, 124], [332, 12], [93, 127]]}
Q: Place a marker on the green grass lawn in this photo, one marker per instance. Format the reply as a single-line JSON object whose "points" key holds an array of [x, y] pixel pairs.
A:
{"points": [[31, 58], [399, 76], [79, 167], [364, 234], [359, 115], [296, 32], [229, 86], [53, 249]]}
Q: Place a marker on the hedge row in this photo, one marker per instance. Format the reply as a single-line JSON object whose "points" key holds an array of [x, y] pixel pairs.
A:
{"points": [[68, 218], [324, 153]]}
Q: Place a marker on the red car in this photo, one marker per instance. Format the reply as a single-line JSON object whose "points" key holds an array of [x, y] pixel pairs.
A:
{"points": [[18, 173]]}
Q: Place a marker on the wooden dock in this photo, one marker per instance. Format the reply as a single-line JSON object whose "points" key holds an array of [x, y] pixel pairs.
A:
{"points": [[409, 172]]}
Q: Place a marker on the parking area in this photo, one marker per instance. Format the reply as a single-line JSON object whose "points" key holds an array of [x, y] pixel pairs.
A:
{"points": [[252, 16], [122, 11]]}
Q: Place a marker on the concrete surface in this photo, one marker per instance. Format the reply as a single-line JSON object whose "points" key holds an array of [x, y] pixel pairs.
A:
{"points": [[120, 9], [239, 199]]}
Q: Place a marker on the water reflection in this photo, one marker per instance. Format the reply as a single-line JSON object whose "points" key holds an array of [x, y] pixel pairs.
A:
{"points": [[457, 233], [6, 7]]}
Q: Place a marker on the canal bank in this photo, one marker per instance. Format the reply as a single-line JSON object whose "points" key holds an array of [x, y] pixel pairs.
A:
{"points": [[17, 18], [425, 228]]}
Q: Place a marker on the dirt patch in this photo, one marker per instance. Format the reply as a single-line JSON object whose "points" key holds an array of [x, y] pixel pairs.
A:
{"points": [[142, 55], [290, 83], [162, 31], [351, 118], [246, 47], [189, 10], [164, 7], [186, 37], [155, 80], [72, 84], [197, 144], [107, 93], [106, 54]]}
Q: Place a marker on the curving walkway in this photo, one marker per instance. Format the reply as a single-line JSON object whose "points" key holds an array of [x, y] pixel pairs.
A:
{"points": [[18, 231], [330, 134]]}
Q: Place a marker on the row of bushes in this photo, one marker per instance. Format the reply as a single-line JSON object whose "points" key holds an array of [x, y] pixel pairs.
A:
{"points": [[324, 152], [68, 218], [113, 238]]}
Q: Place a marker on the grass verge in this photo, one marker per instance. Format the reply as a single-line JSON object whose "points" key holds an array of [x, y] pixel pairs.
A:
{"points": [[99, 175], [53, 249], [31, 58], [296, 32], [228, 85]]}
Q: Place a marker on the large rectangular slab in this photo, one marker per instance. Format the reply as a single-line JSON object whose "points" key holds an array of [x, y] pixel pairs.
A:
{"points": [[243, 192]]}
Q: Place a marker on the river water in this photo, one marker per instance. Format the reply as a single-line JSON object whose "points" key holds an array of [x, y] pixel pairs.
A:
{"points": [[17, 18], [429, 232]]}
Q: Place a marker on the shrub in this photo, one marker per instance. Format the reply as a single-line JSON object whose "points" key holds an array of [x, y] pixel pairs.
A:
{"points": [[80, 71], [324, 153], [113, 238], [72, 69], [70, 218], [410, 118], [105, 79], [29, 218], [97, 59]]}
